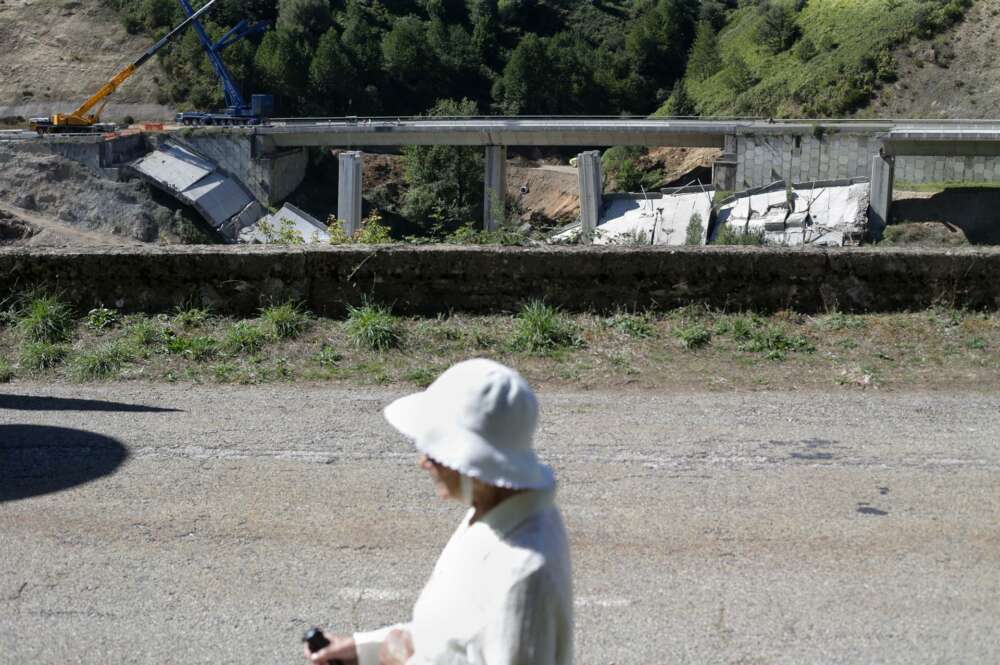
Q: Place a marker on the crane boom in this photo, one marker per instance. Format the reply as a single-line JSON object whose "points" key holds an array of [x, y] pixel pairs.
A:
{"points": [[82, 116]]}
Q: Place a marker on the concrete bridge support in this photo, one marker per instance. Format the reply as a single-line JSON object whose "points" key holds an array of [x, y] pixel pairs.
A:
{"points": [[495, 187], [724, 169], [349, 191], [883, 174], [591, 193]]}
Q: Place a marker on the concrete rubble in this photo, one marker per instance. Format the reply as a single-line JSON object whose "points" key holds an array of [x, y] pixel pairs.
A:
{"points": [[657, 218], [823, 214], [287, 222], [221, 199]]}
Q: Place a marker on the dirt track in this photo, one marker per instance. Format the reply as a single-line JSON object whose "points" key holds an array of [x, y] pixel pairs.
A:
{"points": [[706, 527]]}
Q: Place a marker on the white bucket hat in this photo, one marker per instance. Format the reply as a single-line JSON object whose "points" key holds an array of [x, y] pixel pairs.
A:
{"points": [[477, 418]]}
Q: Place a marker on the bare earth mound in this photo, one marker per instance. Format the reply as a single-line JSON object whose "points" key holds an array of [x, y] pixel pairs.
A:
{"points": [[56, 53], [955, 75], [60, 189]]}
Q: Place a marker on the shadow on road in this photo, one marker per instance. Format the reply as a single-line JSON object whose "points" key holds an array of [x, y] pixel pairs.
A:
{"points": [[38, 403], [36, 459]]}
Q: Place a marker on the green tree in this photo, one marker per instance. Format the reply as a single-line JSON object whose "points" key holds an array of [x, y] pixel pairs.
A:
{"points": [[778, 30], [445, 182], [282, 64], [304, 18], [333, 82], [527, 83], [658, 42], [704, 60], [680, 103]]}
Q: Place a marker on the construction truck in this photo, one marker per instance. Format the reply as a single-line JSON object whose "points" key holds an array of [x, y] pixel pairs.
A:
{"points": [[237, 111], [87, 118]]}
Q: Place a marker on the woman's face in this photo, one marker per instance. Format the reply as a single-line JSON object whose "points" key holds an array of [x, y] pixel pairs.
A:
{"points": [[447, 481]]}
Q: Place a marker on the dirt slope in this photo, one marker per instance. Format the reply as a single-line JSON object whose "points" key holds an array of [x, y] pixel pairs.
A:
{"points": [[56, 53], [955, 75]]}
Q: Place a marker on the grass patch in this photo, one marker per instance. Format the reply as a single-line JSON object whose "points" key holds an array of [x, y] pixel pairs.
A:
{"points": [[776, 343], [191, 317], [198, 348], [104, 362], [286, 321], [327, 356], [636, 326], [693, 335], [45, 319], [840, 321], [6, 371], [245, 337], [42, 355], [541, 329], [421, 376], [373, 327]]}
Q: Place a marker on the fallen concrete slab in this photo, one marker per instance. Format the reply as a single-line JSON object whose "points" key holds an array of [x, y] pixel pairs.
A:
{"points": [[199, 182], [827, 214], [289, 223], [674, 217]]}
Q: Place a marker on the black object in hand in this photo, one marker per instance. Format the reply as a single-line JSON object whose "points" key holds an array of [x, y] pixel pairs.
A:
{"points": [[316, 640]]}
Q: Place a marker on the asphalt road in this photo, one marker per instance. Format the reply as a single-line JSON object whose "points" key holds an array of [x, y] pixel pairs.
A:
{"points": [[185, 524]]}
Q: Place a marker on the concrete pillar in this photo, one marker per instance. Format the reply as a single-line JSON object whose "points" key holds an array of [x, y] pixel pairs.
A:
{"points": [[591, 193], [724, 170], [349, 191], [883, 174], [495, 187]]}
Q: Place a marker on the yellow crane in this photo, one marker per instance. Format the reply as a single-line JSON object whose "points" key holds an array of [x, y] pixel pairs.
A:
{"points": [[86, 118]]}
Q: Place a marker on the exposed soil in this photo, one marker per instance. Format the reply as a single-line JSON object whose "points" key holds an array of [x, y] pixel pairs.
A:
{"points": [[57, 188], [682, 165], [955, 75], [56, 53], [13, 229]]}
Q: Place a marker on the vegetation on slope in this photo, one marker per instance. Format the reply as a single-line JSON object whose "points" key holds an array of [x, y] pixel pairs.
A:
{"points": [[398, 57], [803, 58]]}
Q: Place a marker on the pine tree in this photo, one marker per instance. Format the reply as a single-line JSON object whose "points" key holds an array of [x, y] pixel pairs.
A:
{"points": [[704, 60]]}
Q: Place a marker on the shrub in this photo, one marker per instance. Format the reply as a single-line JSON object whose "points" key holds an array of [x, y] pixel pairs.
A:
{"points": [[373, 326], [541, 328], [286, 321], [191, 317], [45, 319], [41, 355], [693, 336], [104, 362], [147, 333], [6, 371], [244, 337], [727, 235], [637, 326], [695, 230], [101, 319], [806, 50]]}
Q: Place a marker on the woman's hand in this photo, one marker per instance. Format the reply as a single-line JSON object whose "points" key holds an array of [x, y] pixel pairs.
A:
{"points": [[341, 648], [396, 649]]}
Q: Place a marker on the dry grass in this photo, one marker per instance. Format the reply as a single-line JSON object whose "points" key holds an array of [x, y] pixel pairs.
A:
{"points": [[688, 348]]}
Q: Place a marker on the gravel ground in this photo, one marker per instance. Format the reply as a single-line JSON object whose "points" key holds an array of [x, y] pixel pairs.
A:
{"points": [[183, 524]]}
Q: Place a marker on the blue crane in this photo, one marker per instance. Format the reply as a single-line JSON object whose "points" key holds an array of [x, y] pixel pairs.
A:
{"points": [[237, 111]]}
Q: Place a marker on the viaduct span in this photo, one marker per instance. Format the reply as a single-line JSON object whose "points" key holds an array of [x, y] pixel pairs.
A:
{"points": [[754, 152]]}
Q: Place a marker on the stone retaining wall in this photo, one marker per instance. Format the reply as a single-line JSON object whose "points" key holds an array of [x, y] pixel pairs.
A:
{"points": [[763, 158], [238, 280]]}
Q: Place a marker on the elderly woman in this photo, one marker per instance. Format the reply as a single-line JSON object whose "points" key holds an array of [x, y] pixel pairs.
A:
{"points": [[501, 591]]}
